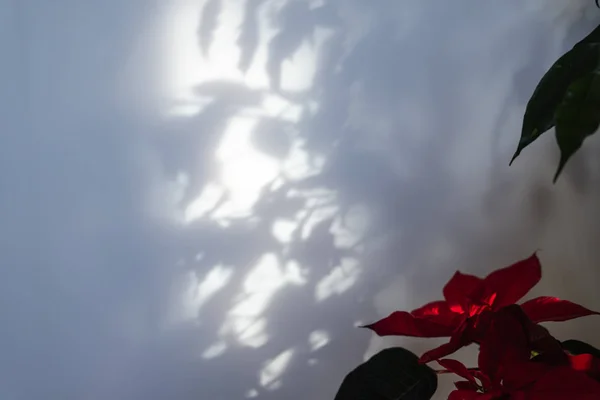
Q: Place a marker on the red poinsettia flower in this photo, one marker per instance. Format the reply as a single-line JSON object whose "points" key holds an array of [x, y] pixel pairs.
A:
{"points": [[506, 370], [542, 382], [469, 303]]}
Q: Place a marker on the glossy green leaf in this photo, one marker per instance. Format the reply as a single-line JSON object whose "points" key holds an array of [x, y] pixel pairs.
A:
{"points": [[392, 374], [592, 37], [578, 116], [550, 91]]}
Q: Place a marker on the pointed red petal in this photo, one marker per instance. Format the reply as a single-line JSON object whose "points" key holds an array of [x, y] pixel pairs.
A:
{"points": [[401, 323], [582, 362], [438, 312], [434, 308], [458, 368], [586, 363], [510, 284], [454, 344], [543, 309], [459, 287]]}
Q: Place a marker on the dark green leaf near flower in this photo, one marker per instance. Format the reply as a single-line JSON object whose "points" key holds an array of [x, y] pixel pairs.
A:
{"points": [[392, 374]]}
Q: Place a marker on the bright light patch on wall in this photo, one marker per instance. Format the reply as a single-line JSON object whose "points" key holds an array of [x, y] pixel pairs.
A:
{"points": [[223, 52], [251, 331], [214, 281], [266, 277], [199, 292], [274, 368], [184, 61], [185, 110], [246, 320], [186, 66], [214, 351], [339, 280], [208, 199], [299, 164], [259, 287], [347, 231], [318, 339], [283, 230], [319, 215], [252, 304], [244, 170], [294, 273], [274, 105]]}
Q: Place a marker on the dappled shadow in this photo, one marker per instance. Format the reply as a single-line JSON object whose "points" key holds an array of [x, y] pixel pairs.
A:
{"points": [[322, 192], [334, 160], [368, 149]]}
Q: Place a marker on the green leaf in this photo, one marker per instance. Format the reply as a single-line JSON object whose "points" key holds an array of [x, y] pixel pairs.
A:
{"points": [[578, 116], [577, 347], [392, 374], [592, 37], [550, 91]]}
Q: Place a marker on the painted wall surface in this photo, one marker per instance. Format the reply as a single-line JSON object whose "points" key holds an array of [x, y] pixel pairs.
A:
{"points": [[201, 199]]}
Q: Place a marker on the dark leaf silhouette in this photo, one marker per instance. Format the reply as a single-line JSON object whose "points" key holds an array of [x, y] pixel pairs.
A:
{"points": [[392, 374], [592, 37], [249, 35], [299, 26], [577, 117], [549, 93], [208, 24], [577, 347]]}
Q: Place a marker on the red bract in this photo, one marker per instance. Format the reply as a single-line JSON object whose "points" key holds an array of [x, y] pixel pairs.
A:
{"points": [[586, 363], [553, 383], [506, 371], [469, 304]]}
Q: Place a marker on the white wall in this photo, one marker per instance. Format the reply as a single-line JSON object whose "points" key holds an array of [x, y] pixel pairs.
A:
{"points": [[124, 122]]}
